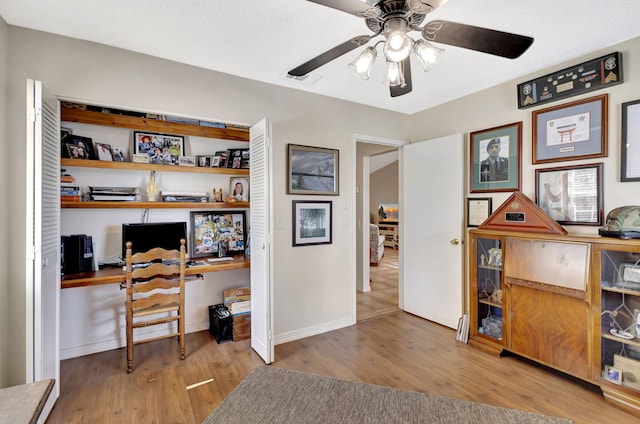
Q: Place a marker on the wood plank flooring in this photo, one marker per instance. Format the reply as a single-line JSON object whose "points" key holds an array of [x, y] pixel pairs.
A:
{"points": [[398, 350], [383, 297]]}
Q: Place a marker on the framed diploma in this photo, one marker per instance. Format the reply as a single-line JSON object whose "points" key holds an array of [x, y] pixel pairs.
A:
{"points": [[478, 210]]}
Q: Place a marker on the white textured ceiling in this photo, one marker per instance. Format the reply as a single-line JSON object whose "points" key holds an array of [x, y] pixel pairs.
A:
{"points": [[263, 39]]}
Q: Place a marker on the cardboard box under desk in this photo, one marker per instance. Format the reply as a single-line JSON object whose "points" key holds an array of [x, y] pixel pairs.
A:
{"points": [[241, 326]]}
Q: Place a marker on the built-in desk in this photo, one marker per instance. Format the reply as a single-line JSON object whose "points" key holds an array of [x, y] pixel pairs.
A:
{"points": [[117, 275]]}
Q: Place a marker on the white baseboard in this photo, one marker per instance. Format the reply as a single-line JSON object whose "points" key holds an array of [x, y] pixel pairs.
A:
{"points": [[314, 331], [105, 345]]}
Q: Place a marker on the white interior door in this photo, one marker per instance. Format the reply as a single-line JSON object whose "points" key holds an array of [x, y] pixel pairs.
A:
{"points": [[431, 228], [43, 235], [261, 261]]}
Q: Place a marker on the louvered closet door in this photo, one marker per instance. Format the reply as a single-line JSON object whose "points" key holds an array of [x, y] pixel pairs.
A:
{"points": [[43, 157], [260, 232]]}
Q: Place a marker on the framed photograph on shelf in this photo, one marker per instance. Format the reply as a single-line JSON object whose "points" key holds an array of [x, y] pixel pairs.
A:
{"points": [[630, 149], [236, 157], [478, 210], [571, 195], [571, 131], [187, 160], [312, 170], [239, 188], [312, 222], [496, 155], [104, 151], [162, 149], [78, 147], [217, 233], [119, 154]]}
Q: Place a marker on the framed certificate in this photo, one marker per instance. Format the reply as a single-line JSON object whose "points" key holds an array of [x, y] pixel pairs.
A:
{"points": [[478, 210]]}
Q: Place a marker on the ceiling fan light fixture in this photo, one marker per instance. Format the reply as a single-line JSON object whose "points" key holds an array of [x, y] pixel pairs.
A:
{"points": [[419, 6], [427, 54], [398, 46], [362, 65], [394, 74]]}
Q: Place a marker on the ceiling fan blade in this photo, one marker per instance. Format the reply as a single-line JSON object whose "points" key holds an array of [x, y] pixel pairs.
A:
{"points": [[475, 38], [329, 55], [354, 7], [399, 90]]}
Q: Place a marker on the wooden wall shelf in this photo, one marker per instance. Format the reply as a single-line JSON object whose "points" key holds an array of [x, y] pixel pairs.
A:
{"points": [[83, 163], [153, 205], [152, 125]]}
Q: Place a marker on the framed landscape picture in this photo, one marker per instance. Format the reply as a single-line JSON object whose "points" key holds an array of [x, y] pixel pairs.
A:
{"points": [[312, 222], [312, 170]]}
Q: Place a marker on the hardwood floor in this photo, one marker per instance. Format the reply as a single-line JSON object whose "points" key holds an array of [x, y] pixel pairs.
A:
{"points": [[398, 350], [383, 297]]}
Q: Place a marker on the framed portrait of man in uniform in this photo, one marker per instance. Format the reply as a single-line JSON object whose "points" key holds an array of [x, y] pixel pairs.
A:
{"points": [[495, 158]]}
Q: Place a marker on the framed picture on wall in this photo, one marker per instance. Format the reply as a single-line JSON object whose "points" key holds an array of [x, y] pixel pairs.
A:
{"points": [[571, 131], [478, 210], [312, 170], [312, 222], [495, 158], [630, 149], [571, 195]]}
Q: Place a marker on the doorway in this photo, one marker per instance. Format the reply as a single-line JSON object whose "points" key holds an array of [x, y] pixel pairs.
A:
{"points": [[378, 286]]}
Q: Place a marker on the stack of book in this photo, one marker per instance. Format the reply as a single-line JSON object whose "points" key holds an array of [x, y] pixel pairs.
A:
{"points": [[185, 196], [113, 194], [68, 191]]}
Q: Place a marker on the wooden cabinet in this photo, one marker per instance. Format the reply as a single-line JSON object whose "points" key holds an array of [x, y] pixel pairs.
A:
{"points": [[569, 302]]}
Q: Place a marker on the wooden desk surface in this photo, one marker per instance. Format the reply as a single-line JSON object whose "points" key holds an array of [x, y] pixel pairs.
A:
{"points": [[24, 403], [117, 275]]}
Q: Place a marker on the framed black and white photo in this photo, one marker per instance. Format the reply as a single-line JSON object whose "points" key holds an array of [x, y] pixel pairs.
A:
{"points": [[217, 233], [119, 154], [495, 158], [162, 149], [630, 149], [312, 222], [312, 170], [571, 131], [571, 195], [478, 210]]}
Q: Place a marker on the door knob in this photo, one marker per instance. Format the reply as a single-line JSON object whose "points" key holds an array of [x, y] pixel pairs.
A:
{"points": [[454, 242]]}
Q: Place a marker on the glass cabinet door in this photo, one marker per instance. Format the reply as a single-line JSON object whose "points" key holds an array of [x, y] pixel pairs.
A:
{"points": [[488, 287], [620, 317]]}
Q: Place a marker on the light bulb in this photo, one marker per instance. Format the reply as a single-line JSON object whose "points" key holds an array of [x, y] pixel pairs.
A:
{"points": [[427, 54], [398, 46], [362, 65], [394, 75]]}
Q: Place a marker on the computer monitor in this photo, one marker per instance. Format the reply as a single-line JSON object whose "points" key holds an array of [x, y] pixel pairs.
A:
{"points": [[145, 236]]}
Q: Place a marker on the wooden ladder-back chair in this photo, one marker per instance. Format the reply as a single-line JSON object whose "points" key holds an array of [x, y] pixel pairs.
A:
{"points": [[155, 294]]}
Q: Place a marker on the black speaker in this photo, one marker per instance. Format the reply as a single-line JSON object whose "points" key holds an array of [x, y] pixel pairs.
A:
{"points": [[77, 251]]}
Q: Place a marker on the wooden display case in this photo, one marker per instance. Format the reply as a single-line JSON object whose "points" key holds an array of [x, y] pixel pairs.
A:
{"points": [[569, 302]]}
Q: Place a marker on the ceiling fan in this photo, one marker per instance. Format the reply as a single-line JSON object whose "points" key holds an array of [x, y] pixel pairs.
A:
{"points": [[394, 20]]}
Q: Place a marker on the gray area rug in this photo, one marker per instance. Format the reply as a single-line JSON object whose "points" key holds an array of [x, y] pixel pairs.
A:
{"points": [[275, 395]]}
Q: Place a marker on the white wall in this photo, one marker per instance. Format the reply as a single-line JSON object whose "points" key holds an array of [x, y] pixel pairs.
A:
{"points": [[383, 186], [310, 297], [498, 106], [4, 210]]}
